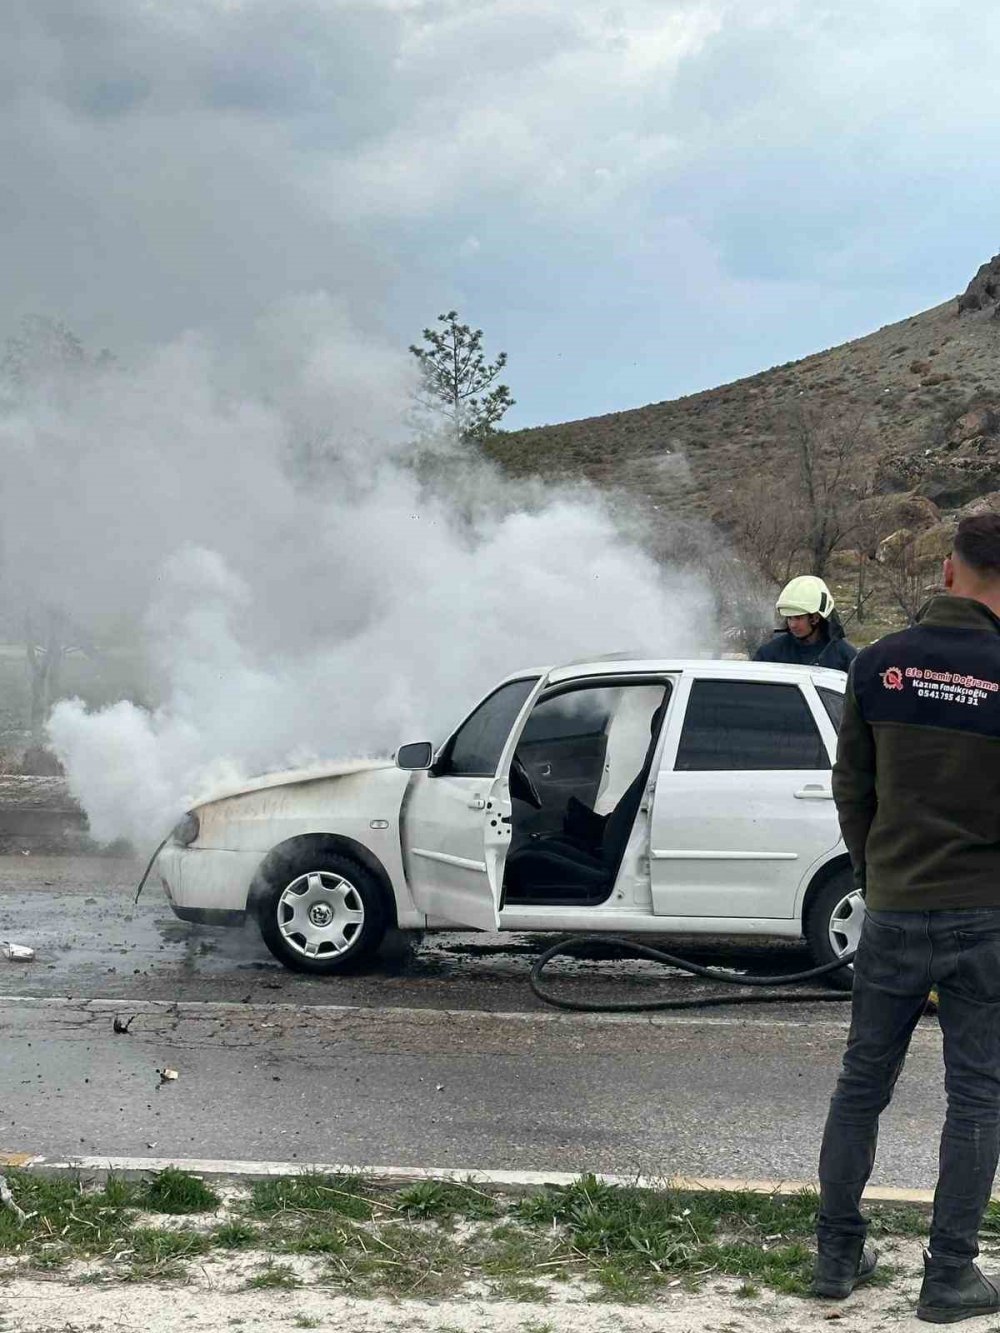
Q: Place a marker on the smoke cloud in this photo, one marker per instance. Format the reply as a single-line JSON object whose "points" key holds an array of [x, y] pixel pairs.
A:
{"points": [[307, 588]]}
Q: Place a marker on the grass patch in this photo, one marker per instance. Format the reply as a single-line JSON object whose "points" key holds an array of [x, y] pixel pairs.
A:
{"points": [[399, 1259], [314, 1239], [85, 1222], [311, 1193], [637, 1238], [443, 1200], [272, 1275], [991, 1221], [178, 1192], [50, 1259], [151, 1245], [623, 1243], [235, 1235]]}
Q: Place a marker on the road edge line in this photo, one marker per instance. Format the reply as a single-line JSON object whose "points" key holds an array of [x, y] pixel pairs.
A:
{"points": [[515, 1182]]}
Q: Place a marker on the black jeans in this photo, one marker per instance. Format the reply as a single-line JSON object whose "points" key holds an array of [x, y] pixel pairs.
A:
{"points": [[902, 955]]}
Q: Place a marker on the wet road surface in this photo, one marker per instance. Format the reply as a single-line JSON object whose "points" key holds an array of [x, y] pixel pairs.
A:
{"points": [[443, 1060], [90, 940]]}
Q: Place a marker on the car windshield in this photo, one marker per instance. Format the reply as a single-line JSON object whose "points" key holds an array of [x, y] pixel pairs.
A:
{"points": [[475, 749]]}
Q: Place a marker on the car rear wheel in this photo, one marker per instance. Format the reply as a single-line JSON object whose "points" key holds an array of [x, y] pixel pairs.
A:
{"points": [[323, 915], [833, 925]]}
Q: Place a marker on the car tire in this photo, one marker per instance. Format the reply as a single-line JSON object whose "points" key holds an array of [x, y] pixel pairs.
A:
{"points": [[324, 913], [833, 925]]}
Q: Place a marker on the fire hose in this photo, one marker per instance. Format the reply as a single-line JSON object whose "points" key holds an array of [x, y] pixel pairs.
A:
{"points": [[149, 867], [572, 945]]}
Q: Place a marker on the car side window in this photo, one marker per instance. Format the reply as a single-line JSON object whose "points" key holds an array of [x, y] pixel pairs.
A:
{"points": [[475, 749], [733, 724], [833, 702]]}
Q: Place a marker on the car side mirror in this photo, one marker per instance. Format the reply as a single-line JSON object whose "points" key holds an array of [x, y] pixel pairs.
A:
{"points": [[416, 755]]}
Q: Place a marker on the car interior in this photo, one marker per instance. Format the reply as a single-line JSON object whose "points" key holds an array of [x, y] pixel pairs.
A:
{"points": [[576, 782]]}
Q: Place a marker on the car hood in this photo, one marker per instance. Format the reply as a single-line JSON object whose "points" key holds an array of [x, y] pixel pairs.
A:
{"points": [[290, 777]]}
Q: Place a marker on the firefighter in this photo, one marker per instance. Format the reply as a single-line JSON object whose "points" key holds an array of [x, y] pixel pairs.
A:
{"points": [[812, 634]]}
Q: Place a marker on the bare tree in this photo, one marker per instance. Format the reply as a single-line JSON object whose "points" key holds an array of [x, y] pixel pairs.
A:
{"points": [[45, 648], [50, 637], [832, 458], [907, 577], [765, 529], [39, 359], [872, 524], [742, 600], [811, 503]]}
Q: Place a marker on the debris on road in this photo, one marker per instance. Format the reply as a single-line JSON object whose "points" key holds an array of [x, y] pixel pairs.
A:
{"points": [[168, 1075], [17, 953], [7, 1201], [120, 1026]]}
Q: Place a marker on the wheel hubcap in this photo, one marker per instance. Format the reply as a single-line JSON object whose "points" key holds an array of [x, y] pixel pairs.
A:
{"points": [[846, 921], [320, 914]]}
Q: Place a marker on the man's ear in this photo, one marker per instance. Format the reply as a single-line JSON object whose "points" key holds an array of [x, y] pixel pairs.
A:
{"points": [[948, 571]]}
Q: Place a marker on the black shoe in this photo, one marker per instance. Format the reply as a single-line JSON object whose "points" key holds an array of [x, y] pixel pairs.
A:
{"points": [[949, 1294], [841, 1265]]}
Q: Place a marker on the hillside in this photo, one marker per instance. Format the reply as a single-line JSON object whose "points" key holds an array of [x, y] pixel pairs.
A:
{"points": [[920, 383]]}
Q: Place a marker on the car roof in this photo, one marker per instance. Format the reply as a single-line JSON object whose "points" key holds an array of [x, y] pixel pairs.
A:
{"points": [[721, 668]]}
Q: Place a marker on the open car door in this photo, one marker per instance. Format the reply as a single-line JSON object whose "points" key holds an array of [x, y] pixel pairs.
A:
{"points": [[456, 821]]}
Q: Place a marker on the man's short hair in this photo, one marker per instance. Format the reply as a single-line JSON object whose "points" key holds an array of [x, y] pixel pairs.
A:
{"points": [[977, 544]]}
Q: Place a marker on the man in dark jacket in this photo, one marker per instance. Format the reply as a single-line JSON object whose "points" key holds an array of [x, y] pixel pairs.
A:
{"points": [[917, 786], [812, 634]]}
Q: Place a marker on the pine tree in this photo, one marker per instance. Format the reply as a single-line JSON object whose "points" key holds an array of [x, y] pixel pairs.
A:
{"points": [[458, 382]]}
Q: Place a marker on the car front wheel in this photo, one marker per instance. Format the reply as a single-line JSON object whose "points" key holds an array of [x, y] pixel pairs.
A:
{"points": [[323, 915], [833, 925]]}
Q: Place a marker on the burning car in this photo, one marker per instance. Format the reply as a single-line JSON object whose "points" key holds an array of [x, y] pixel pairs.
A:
{"points": [[618, 796]]}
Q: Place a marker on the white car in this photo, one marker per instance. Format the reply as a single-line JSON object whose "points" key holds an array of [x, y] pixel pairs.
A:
{"points": [[668, 797]]}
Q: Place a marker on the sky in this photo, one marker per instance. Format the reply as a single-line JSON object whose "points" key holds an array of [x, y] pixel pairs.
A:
{"points": [[634, 200]]}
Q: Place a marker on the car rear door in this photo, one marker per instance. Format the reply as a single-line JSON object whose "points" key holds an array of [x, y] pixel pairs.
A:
{"points": [[743, 803], [456, 818]]}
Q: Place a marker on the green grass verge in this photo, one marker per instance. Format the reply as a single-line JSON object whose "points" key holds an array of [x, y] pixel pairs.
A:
{"points": [[310, 1193], [428, 1240]]}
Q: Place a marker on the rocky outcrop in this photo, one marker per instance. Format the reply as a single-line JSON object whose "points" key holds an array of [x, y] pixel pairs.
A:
{"points": [[924, 548], [962, 469], [980, 422], [960, 479], [986, 504], [934, 544], [983, 292], [889, 513]]}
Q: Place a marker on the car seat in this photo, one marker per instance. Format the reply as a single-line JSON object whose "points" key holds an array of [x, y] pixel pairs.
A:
{"points": [[559, 868]]}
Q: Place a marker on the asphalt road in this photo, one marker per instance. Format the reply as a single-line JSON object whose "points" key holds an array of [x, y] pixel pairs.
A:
{"points": [[443, 1059], [90, 940]]}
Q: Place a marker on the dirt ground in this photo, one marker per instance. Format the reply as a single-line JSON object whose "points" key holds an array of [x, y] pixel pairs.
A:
{"points": [[208, 1303]]}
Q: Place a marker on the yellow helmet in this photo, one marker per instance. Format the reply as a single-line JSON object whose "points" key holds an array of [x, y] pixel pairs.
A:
{"points": [[805, 596]]}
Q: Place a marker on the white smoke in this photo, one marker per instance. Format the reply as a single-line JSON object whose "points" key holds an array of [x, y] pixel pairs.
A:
{"points": [[306, 591]]}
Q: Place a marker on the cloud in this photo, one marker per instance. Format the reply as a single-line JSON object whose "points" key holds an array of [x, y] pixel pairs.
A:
{"points": [[670, 162]]}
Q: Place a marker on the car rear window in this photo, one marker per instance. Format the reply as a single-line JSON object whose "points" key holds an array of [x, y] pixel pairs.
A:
{"points": [[833, 702], [749, 726]]}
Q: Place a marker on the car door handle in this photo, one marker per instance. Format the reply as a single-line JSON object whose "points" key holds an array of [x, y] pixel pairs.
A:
{"points": [[812, 791], [477, 803]]}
